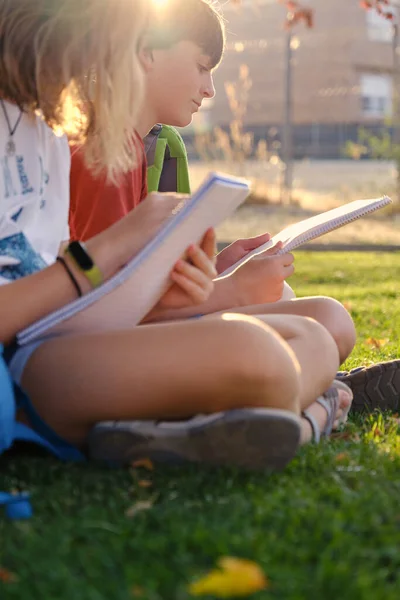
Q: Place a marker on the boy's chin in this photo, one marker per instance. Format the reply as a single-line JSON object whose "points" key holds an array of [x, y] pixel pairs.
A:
{"points": [[181, 121]]}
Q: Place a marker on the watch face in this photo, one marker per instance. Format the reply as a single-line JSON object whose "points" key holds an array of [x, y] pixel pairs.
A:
{"points": [[79, 253]]}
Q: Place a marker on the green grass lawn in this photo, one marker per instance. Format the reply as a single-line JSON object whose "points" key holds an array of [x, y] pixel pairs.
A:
{"points": [[327, 528]]}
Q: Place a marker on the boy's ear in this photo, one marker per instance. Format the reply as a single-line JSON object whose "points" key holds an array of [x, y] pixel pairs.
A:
{"points": [[145, 55]]}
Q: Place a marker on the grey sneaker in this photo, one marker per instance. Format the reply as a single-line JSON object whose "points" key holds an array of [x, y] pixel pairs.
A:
{"points": [[249, 438], [377, 386]]}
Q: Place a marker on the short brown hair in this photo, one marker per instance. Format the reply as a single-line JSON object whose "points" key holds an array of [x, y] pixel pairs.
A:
{"points": [[76, 62], [198, 21]]}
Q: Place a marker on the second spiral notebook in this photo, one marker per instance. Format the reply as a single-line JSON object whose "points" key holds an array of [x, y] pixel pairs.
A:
{"points": [[300, 233]]}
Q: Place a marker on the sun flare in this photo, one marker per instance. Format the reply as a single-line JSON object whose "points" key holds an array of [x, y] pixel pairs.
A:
{"points": [[160, 3]]}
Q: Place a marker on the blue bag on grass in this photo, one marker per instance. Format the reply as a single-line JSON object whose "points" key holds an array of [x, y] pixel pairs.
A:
{"points": [[17, 506]]}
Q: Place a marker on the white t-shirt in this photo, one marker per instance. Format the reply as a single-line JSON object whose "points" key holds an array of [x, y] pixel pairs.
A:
{"points": [[34, 195]]}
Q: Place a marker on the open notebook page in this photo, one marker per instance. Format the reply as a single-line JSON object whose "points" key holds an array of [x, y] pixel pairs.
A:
{"points": [[309, 229]]}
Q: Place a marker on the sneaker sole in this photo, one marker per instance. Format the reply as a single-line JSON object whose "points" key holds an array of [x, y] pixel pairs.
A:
{"points": [[376, 387], [253, 439]]}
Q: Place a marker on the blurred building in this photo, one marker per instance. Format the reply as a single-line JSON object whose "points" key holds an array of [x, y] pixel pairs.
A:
{"points": [[342, 72]]}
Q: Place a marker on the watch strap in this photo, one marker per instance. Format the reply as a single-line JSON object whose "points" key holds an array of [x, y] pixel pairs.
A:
{"points": [[82, 259]]}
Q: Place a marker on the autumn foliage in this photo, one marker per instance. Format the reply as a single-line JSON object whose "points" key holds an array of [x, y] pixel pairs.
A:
{"points": [[382, 7], [298, 13]]}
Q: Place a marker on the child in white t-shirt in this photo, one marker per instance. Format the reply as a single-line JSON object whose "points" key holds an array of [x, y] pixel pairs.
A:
{"points": [[35, 193]]}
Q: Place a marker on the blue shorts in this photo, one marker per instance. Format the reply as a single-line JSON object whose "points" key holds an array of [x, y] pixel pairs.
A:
{"points": [[17, 357]]}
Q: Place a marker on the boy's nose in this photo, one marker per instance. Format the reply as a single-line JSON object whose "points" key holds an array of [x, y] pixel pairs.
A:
{"points": [[209, 89]]}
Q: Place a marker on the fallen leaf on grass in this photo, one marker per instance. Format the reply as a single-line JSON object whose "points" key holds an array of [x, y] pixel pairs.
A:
{"points": [[145, 483], [139, 507], [349, 435], [341, 457], [137, 592], [376, 343], [233, 577], [145, 463], [6, 576]]}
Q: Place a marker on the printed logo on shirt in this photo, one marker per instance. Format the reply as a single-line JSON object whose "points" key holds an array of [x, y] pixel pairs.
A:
{"points": [[23, 177], [17, 247], [17, 215], [9, 189], [22, 185], [44, 177]]}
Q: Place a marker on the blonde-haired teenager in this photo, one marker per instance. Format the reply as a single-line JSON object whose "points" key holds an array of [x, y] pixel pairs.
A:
{"points": [[248, 379]]}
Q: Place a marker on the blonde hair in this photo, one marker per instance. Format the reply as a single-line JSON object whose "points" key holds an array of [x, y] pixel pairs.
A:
{"points": [[76, 62]]}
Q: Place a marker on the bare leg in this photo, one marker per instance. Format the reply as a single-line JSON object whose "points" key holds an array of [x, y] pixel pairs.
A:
{"points": [[314, 349], [317, 356], [327, 311], [165, 371]]}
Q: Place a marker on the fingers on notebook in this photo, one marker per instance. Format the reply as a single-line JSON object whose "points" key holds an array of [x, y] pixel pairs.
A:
{"points": [[289, 271], [288, 259], [255, 242], [273, 250], [197, 264], [209, 244], [193, 281], [198, 257]]}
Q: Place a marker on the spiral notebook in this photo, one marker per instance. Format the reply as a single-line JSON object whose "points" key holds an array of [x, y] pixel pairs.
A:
{"points": [[126, 298], [300, 233]]}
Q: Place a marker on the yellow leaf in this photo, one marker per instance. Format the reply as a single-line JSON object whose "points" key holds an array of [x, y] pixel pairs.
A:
{"points": [[234, 577], [376, 343]]}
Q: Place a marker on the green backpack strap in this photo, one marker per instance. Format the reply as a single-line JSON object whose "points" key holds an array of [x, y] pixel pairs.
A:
{"points": [[155, 148], [165, 150], [177, 150]]}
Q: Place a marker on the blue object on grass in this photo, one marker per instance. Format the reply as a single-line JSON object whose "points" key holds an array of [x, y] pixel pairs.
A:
{"points": [[18, 505]]}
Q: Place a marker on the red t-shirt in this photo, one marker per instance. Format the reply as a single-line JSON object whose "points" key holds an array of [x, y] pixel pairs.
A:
{"points": [[96, 204]]}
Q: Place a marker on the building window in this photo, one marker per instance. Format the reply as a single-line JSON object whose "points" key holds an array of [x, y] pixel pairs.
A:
{"points": [[376, 95], [379, 29]]}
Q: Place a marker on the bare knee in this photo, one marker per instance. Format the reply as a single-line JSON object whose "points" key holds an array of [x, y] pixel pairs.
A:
{"points": [[318, 350], [335, 318], [258, 367]]}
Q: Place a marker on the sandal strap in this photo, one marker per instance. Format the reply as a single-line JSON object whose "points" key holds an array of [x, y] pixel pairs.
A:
{"points": [[316, 432], [330, 402]]}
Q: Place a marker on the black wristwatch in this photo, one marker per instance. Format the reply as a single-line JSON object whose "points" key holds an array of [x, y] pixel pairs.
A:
{"points": [[81, 257]]}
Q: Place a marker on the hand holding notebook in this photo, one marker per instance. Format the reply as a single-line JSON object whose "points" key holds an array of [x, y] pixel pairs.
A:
{"points": [[296, 235], [127, 297]]}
